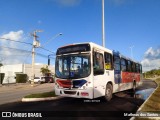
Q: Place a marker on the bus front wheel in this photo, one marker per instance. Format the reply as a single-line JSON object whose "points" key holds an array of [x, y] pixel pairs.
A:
{"points": [[108, 92]]}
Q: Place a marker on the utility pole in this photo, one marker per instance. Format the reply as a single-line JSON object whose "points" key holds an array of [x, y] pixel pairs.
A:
{"points": [[35, 44], [103, 28]]}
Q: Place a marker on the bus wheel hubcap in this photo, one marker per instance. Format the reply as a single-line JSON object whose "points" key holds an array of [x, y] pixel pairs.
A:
{"points": [[108, 92]]}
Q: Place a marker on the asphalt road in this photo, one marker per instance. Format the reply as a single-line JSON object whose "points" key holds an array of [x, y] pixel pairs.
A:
{"points": [[84, 109]]}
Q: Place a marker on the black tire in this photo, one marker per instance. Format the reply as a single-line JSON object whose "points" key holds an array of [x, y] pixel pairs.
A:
{"points": [[108, 92], [29, 82], [39, 82]]}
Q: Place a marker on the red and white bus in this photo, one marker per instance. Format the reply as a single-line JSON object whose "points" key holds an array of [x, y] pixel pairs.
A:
{"points": [[88, 70]]}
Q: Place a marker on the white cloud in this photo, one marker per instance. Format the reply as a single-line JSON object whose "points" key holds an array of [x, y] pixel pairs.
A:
{"points": [[151, 59], [120, 2], [13, 35], [39, 22], [68, 3], [18, 35], [9, 55]]}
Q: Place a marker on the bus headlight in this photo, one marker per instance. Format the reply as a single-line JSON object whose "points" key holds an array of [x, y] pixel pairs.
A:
{"points": [[84, 94]]}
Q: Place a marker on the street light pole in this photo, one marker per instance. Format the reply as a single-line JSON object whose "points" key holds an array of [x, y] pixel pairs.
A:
{"points": [[103, 28], [52, 38], [131, 47], [49, 58]]}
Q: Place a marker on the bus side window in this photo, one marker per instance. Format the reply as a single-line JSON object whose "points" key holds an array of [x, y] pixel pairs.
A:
{"points": [[133, 67], [98, 63], [108, 61], [137, 68], [117, 63], [140, 68], [123, 65], [129, 68]]}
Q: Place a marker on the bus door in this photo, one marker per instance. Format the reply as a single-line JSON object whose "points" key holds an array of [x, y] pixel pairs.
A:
{"points": [[98, 73], [117, 68]]}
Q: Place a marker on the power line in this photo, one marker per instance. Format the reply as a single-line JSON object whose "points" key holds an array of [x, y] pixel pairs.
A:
{"points": [[16, 41], [27, 43], [25, 51], [47, 50], [14, 49], [35, 44]]}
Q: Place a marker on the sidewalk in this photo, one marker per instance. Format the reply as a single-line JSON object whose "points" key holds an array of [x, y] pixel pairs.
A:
{"points": [[17, 86], [15, 92]]}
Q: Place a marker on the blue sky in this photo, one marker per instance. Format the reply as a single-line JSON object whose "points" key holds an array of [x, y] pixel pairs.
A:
{"points": [[127, 23]]}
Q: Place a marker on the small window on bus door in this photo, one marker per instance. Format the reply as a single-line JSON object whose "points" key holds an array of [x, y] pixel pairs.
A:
{"points": [[98, 63], [108, 61]]}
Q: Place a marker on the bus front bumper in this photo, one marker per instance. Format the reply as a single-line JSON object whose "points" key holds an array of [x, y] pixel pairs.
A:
{"points": [[76, 93]]}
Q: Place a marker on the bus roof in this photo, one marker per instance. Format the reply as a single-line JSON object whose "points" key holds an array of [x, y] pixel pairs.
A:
{"points": [[101, 48], [91, 43]]}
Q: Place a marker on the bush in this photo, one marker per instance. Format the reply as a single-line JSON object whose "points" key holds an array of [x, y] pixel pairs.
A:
{"points": [[21, 78], [2, 77]]}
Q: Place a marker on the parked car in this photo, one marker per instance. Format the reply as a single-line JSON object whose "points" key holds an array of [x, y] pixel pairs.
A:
{"points": [[48, 79], [38, 80]]}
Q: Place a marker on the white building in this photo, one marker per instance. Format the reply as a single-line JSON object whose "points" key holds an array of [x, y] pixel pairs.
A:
{"points": [[11, 70]]}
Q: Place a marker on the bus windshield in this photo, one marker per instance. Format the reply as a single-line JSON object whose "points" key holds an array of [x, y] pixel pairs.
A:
{"points": [[73, 66]]}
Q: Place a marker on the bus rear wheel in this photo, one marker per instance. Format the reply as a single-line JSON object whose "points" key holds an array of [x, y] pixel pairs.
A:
{"points": [[108, 92]]}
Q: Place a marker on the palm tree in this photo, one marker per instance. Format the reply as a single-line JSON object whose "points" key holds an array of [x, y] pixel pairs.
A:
{"points": [[45, 70]]}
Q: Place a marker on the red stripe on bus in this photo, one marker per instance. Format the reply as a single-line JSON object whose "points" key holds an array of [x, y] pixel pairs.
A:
{"points": [[64, 83], [129, 77]]}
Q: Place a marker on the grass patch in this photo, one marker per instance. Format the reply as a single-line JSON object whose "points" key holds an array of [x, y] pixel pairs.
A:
{"points": [[153, 103], [41, 95], [158, 81], [155, 99], [156, 93]]}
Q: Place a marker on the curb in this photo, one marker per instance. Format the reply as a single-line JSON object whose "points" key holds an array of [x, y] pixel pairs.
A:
{"points": [[40, 99]]}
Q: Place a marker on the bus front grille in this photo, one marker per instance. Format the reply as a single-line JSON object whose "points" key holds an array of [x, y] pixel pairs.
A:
{"points": [[70, 92]]}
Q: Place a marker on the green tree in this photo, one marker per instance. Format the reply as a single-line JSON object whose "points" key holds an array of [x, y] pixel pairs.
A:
{"points": [[45, 70], [153, 73], [0, 73], [1, 64]]}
